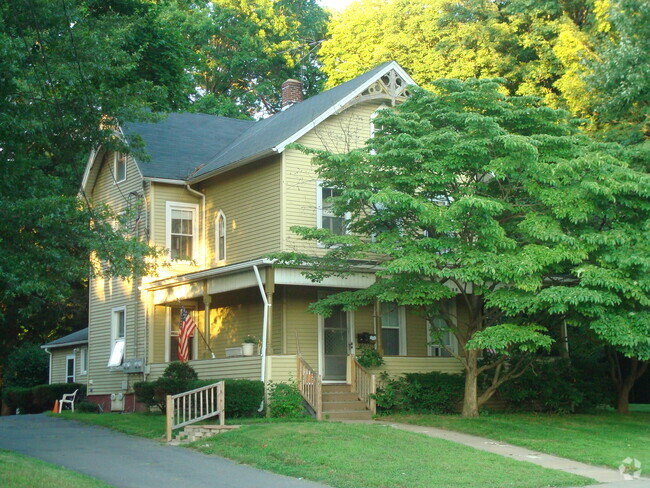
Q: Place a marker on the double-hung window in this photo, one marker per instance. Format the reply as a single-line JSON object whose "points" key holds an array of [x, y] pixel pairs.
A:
{"points": [[393, 330], [220, 237], [325, 216], [119, 167], [182, 231], [443, 341], [83, 359], [174, 318], [118, 336]]}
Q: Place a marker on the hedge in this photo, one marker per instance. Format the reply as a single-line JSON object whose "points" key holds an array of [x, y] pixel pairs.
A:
{"points": [[243, 397], [39, 398]]}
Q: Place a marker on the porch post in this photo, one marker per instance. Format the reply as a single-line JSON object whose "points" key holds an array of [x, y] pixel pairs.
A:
{"points": [[380, 346], [207, 300]]}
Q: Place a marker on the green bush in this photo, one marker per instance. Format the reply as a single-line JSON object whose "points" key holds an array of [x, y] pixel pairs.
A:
{"points": [[26, 366], [182, 372], [285, 401], [87, 407], [40, 398], [243, 397], [369, 357], [432, 392], [559, 386]]}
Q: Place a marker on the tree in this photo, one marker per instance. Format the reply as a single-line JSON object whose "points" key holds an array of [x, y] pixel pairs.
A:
{"points": [[540, 48], [465, 187]]}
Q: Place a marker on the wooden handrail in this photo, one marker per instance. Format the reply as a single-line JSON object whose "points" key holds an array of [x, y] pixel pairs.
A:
{"points": [[310, 385], [195, 405], [365, 384]]}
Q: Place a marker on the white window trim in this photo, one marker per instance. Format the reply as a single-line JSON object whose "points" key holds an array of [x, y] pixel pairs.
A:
{"points": [[218, 258], [74, 367], [401, 325], [319, 209], [115, 340], [115, 159], [168, 332], [373, 129], [195, 229], [83, 358], [451, 304]]}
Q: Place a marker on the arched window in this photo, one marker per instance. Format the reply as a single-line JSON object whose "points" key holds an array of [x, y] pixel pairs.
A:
{"points": [[220, 237]]}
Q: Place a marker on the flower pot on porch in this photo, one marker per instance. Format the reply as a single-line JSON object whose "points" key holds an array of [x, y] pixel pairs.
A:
{"points": [[248, 348]]}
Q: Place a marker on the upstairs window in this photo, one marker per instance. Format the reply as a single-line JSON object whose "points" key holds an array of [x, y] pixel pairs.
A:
{"points": [[325, 217], [393, 330], [119, 167], [118, 336], [182, 231], [220, 237]]}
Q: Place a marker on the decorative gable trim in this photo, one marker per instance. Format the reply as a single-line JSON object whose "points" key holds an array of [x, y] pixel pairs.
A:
{"points": [[383, 85]]}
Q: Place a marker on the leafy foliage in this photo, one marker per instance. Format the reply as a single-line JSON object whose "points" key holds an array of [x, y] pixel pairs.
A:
{"points": [[285, 401], [432, 392], [27, 366], [369, 357], [39, 398], [499, 196]]}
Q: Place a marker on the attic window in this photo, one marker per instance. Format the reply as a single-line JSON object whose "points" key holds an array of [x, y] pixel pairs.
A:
{"points": [[119, 167]]}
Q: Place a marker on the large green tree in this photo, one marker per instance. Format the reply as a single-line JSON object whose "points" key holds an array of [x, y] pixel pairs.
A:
{"points": [[540, 47], [467, 188]]}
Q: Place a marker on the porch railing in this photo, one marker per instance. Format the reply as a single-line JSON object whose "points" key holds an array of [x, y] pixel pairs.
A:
{"points": [[195, 405], [310, 385], [364, 383]]}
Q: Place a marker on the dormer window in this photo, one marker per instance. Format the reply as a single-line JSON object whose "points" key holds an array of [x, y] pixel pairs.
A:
{"points": [[220, 237], [119, 167]]}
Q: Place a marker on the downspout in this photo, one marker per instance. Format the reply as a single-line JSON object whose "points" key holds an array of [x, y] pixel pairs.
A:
{"points": [[205, 249], [265, 324], [49, 379]]}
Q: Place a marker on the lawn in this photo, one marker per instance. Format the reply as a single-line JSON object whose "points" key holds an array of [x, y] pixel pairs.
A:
{"points": [[375, 456], [18, 471], [602, 439], [352, 456]]}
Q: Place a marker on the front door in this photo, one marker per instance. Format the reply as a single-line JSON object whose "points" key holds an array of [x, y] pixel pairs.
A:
{"points": [[336, 339]]}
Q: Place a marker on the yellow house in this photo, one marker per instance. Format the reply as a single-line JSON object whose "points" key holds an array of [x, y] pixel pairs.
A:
{"points": [[219, 195]]}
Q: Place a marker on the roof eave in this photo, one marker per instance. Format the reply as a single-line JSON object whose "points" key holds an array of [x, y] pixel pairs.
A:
{"points": [[67, 344], [231, 166]]}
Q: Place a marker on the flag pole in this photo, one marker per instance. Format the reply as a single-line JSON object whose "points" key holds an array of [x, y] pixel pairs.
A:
{"points": [[199, 331]]}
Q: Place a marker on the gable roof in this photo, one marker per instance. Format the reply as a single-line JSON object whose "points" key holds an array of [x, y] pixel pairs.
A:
{"points": [[189, 147], [183, 141], [74, 339]]}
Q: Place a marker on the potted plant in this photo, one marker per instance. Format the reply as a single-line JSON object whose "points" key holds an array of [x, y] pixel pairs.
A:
{"points": [[248, 346], [368, 356]]}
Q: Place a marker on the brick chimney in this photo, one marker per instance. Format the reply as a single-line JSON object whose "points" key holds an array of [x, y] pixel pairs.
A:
{"points": [[291, 93]]}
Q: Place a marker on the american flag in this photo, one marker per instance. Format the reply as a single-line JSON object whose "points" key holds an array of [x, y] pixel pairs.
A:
{"points": [[186, 331]]}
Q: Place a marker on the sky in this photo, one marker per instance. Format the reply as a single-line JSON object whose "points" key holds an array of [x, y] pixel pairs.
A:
{"points": [[335, 4]]}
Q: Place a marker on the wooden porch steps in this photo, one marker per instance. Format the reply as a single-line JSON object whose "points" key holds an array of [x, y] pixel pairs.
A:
{"points": [[195, 432], [341, 403]]}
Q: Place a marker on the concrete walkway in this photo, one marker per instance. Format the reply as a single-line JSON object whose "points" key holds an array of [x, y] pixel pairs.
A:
{"points": [[603, 475], [129, 462]]}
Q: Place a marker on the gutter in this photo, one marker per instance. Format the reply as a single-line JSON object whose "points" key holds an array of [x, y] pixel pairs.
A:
{"points": [[49, 373], [231, 166], [47, 347]]}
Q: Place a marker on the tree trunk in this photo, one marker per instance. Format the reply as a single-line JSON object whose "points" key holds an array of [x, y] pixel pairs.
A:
{"points": [[470, 399], [623, 404], [625, 384]]}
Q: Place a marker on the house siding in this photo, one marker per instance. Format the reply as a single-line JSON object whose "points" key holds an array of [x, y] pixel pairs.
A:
{"points": [[249, 197], [109, 293], [339, 133], [58, 365]]}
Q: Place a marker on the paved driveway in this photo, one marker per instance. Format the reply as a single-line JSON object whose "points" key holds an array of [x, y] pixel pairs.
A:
{"points": [[129, 462]]}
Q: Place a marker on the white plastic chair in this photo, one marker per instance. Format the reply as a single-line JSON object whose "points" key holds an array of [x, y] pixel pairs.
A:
{"points": [[69, 399]]}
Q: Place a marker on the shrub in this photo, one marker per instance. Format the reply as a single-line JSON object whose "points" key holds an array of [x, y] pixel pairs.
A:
{"points": [[180, 371], [243, 397], [39, 398], [26, 366], [369, 357], [432, 392], [285, 401], [87, 407], [557, 385]]}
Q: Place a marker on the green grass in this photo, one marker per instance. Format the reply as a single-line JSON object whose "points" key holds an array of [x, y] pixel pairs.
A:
{"points": [[375, 456], [150, 425], [18, 471], [603, 439]]}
